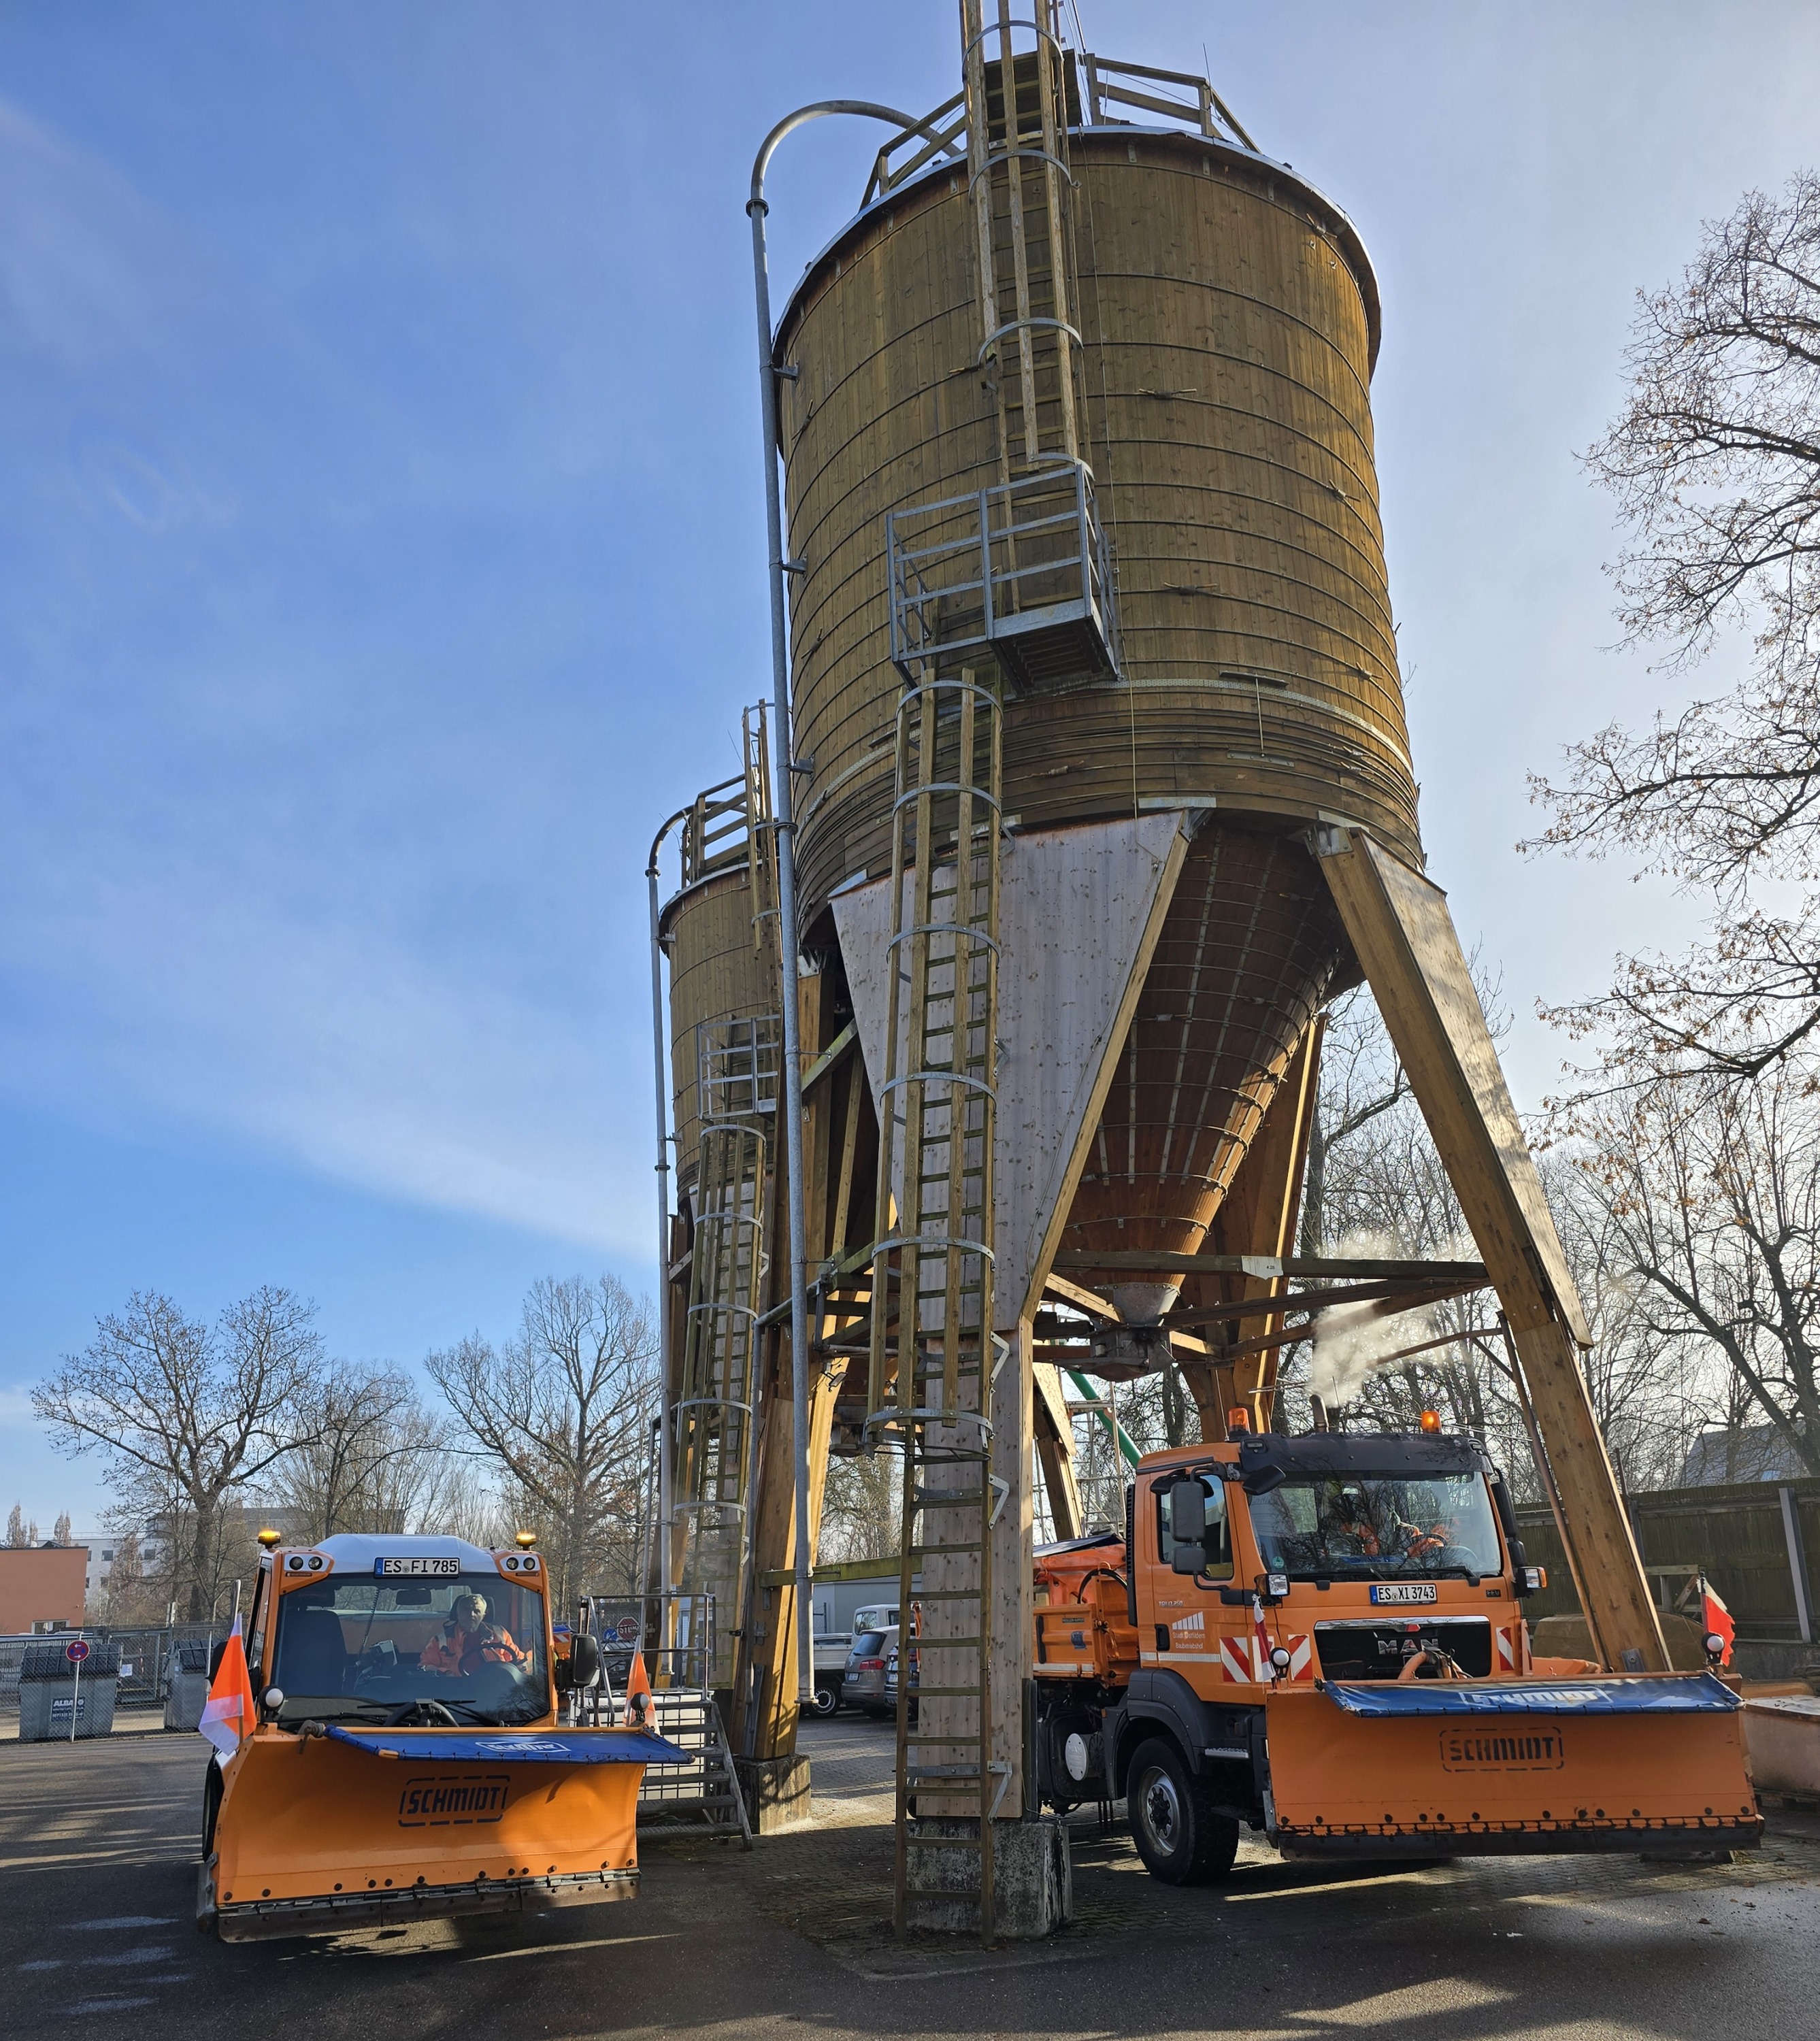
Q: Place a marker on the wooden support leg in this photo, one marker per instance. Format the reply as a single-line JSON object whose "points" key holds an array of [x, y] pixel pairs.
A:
{"points": [[1405, 938], [1012, 1394], [1055, 1448]]}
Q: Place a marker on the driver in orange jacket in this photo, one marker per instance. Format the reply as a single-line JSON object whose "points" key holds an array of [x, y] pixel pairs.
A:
{"points": [[468, 1641]]}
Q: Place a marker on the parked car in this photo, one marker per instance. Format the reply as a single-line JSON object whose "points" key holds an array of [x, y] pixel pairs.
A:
{"points": [[864, 1683], [891, 1683], [832, 1652]]}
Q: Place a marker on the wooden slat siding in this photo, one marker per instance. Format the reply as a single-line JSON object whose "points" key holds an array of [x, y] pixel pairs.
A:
{"points": [[1244, 509], [715, 974], [1405, 940]]}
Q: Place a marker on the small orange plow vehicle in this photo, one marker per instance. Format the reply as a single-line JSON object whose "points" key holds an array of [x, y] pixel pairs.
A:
{"points": [[389, 1747]]}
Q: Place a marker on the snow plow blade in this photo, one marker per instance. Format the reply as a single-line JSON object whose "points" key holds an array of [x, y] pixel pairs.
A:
{"points": [[360, 1828], [1651, 1763]]}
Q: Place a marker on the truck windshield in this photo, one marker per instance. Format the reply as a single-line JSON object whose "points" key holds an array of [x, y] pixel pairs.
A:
{"points": [[1376, 1526], [375, 1651]]}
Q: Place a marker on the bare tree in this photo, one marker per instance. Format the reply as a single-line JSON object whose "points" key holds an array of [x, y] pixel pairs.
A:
{"points": [[378, 1460], [1361, 1078], [1715, 465], [187, 1418], [563, 1413], [1712, 1190], [860, 1512], [18, 1531]]}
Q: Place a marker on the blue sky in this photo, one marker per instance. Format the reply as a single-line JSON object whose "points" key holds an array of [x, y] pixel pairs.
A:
{"points": [[382, 558]]}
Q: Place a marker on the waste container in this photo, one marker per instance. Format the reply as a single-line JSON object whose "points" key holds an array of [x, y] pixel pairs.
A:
{"points": [[49, 1692], [188, 1689]]}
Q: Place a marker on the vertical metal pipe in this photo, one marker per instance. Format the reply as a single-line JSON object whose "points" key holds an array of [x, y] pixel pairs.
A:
{"points": [[661, 1534], [784, 806]]}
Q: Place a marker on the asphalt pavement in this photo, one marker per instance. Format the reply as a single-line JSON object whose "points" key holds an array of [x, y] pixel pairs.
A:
{"points": [[97, 1857]]}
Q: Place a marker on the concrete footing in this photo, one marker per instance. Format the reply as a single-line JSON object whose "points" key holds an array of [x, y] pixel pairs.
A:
{"points": [[1032, 1886], [776, 1792]]}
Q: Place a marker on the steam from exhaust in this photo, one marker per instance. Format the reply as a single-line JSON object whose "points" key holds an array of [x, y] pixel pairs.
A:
{"points": [[1353, 1341]]}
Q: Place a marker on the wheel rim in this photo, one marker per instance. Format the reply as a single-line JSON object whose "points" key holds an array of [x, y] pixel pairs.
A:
{"points": [[1162, 1811]]}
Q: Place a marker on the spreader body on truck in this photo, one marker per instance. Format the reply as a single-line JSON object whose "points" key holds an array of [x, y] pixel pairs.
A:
{"points": [[1322, 1637], [404, 1756]]}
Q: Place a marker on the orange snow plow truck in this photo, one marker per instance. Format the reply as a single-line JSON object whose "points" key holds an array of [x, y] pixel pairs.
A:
{"points": [[400, 1752], [1322, 1637]]}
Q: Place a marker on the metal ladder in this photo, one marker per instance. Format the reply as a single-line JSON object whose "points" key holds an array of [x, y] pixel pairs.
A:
{"points": [[717, 1407], [739, 1088], [1017, 78], [931, 1350]]}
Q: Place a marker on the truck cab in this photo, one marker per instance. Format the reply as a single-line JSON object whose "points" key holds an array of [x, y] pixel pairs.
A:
{"points": [[1290, 1623]]}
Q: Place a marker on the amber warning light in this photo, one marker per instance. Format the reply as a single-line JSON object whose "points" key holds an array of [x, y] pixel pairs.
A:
{"points": [[1431, 1420]]}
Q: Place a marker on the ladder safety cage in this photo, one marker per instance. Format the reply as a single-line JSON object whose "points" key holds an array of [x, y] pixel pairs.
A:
{"points": [[715, 1409], [1021, 92], [1021, 570], [932, 1352]]}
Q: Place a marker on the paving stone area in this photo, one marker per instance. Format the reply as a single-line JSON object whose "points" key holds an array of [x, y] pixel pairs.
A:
{"points": [[97, 1849]]}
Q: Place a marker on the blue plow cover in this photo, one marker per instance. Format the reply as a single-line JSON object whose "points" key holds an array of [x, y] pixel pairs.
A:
{"points": [[1686, 1694], [530, 1746]]}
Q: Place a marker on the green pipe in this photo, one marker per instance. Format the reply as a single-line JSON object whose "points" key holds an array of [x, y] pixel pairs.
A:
{"points": [[1114, 1429]]}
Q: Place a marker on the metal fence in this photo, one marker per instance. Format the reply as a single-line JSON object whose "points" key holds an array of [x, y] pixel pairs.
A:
{"points": [[1756, 1542], [147, 1659]]}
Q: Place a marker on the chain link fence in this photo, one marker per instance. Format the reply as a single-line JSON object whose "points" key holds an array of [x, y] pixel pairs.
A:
{"points": [[147, 1659]]}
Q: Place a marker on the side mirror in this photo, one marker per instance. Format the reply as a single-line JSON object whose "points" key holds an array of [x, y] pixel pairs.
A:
{"points": [[1263, 1480], [1188, 1527], [584, 1659]]}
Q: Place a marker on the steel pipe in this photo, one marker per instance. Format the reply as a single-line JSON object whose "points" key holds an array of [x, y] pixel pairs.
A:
{"points": [[784, 813]]}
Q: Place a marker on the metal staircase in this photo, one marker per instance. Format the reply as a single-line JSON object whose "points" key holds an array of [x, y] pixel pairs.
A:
{"points": [[932, 1352]]}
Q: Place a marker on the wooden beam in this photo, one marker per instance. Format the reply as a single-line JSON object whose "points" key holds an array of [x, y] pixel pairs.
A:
{"points": [[1406, 1296], [1266, 1267], [835, 1051], [1294, 1335], [1405, 940], [1082, 1300], [1056, 1449]]}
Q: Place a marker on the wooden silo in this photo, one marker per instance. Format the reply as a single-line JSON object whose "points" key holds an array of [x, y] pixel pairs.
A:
{"points": [[1229, 321]]}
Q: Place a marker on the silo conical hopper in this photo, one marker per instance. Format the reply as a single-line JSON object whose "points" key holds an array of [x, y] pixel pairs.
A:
{"points": [[1247, 955]]}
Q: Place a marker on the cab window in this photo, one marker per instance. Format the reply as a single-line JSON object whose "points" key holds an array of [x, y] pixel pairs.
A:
{"points": [[1219, 1544]]}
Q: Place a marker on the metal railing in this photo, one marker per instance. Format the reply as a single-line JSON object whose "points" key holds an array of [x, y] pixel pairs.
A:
{"points": [[148, 1656], [739, 1067], [1021, 568], [1097, 86]]}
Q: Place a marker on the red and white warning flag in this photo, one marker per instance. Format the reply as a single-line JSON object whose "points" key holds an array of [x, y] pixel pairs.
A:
{"points": [[1266, 1672], [228, 1716], [1715, 1619]]}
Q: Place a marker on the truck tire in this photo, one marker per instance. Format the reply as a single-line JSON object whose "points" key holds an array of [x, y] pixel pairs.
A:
{"points": [[827, 1696], [1181, 1838], [212, 1787]]}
